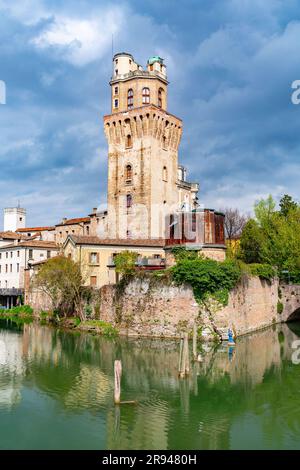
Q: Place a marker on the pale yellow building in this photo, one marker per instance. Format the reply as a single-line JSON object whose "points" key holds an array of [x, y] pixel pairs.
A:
{"points": [[96, 256]]}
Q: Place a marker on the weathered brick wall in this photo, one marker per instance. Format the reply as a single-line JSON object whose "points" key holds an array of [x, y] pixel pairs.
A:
{"points": [[252, 305], [38, 300], [147, 310], [166, 310]]}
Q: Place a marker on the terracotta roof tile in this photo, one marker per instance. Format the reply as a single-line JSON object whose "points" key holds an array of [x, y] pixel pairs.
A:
{"points": [[12, 236], [35, 229], [33, 244], [85, 240], [74, 221]]}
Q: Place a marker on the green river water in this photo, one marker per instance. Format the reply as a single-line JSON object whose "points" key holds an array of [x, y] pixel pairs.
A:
{"points": [[56, 392]]}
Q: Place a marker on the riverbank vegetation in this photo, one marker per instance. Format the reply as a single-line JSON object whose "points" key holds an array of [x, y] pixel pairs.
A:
{"points": [[272, 238], [206, 276], [19, 314]]}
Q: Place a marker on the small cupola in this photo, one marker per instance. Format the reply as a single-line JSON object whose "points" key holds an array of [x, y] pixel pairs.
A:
{"points": [[156, 64]]}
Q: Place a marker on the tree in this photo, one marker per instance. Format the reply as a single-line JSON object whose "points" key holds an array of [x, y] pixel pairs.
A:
{"points": [[251, 242], [274, 237], [287, 204], [234, 223], [264, 209], [61, 279], [125, 262]]}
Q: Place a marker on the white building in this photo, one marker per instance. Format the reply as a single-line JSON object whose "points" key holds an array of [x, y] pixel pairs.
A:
{"points": [[14, 259], [14, 218]]}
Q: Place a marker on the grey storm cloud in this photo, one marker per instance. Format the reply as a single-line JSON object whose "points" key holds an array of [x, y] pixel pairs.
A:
{"points": [[230, 64]]}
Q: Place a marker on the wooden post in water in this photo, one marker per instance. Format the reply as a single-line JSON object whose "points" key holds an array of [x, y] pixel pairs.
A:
{"points": [[118, 375], [195, 342], [186, 354], [184, 363], [181, 365]]}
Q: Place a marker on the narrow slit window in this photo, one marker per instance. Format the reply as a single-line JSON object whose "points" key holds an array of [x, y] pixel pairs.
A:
{"points": [[128, 141], [130, 98], [128, 173], [128, 201]]}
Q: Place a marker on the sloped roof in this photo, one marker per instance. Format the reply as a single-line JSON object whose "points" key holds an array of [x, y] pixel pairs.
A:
{"points": [[32, 244], [74, 221], [89, 240], [35, 229], [11, 236]]}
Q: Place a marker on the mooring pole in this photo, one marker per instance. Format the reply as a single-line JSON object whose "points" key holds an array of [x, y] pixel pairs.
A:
{"points": [[118, 375], [186, 354], [195, 342], [181, 365]]}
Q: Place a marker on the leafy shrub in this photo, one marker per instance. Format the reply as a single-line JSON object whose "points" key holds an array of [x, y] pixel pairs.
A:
{"points": [[20, 310], [207, 276], [279, 308], [222, 296], [104, 328], [88, 310], [180, 253], [264, 271], [125, 262]]}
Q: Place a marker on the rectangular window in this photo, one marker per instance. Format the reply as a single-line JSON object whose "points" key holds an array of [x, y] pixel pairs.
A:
{"points": [[116, 103], [18, 268], [48, 254], [11, 254], [31, 253], [116, 90], [11, 268], [93, 281], [94, 258], [6, 268], [18, 254]]}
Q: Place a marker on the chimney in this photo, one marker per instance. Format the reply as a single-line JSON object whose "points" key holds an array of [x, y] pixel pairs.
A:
{"points": [[64, 220]]}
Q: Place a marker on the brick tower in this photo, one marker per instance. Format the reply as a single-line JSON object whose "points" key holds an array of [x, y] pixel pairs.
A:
{"points": [[144, 180]]}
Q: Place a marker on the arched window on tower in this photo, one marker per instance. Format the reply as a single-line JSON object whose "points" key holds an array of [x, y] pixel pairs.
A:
{"points": [[128, 173], [128, 141], [165, 174], [146, 95], [130, 98], [128, 201], [160, 97]]}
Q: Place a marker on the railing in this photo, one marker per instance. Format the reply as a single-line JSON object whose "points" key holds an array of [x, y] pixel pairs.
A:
{"points": [[11, 292], [143, 73], [191, 186], [143, 262]]}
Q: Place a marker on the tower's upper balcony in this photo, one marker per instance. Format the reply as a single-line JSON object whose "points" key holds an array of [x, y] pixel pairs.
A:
{"points": [[133, 87], [125, 68]]}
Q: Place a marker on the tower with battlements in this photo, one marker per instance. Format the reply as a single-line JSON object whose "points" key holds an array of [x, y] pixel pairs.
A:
{"points": [[145, 181]]}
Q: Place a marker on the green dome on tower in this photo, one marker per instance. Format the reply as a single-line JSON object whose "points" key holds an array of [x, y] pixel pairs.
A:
{"points": [[155, 58]]}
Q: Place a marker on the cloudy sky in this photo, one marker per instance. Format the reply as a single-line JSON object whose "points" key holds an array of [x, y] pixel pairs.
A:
{"points": [[230, 63]]}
